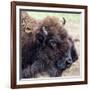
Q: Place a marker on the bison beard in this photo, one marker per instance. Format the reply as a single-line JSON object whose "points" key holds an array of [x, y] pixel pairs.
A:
{"points": [[47, 49]]}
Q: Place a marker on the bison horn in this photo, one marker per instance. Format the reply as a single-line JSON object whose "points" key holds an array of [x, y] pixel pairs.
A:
{"points": [[44, 30], [64, 21]]}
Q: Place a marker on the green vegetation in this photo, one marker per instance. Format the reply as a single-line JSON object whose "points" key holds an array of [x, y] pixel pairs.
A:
{"points": [[68, 16]]}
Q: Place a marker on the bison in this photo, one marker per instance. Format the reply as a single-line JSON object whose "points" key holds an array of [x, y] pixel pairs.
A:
{"points": [[48, 49]]}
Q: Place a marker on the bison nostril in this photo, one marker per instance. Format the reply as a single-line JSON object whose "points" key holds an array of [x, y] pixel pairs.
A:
{"points": [[69, 62]]}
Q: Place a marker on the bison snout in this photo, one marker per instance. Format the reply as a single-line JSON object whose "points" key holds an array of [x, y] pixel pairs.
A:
{"points": [[69, 62]]}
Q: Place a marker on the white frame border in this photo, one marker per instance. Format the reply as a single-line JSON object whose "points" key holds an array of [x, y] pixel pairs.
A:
{"points": [[56, 79]]}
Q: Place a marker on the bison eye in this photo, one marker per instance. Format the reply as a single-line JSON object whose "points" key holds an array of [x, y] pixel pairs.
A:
{"points": [[52, 43]]}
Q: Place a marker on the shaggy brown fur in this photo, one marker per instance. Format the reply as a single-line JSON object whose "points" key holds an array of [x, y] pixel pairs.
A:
{"points": [[55, 29]]}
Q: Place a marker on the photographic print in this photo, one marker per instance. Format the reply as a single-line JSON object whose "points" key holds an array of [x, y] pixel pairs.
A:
{"points": [[49, 44]]}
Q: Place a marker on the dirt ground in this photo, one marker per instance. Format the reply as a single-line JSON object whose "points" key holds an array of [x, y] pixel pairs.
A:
{"points": [[73, 29]]}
